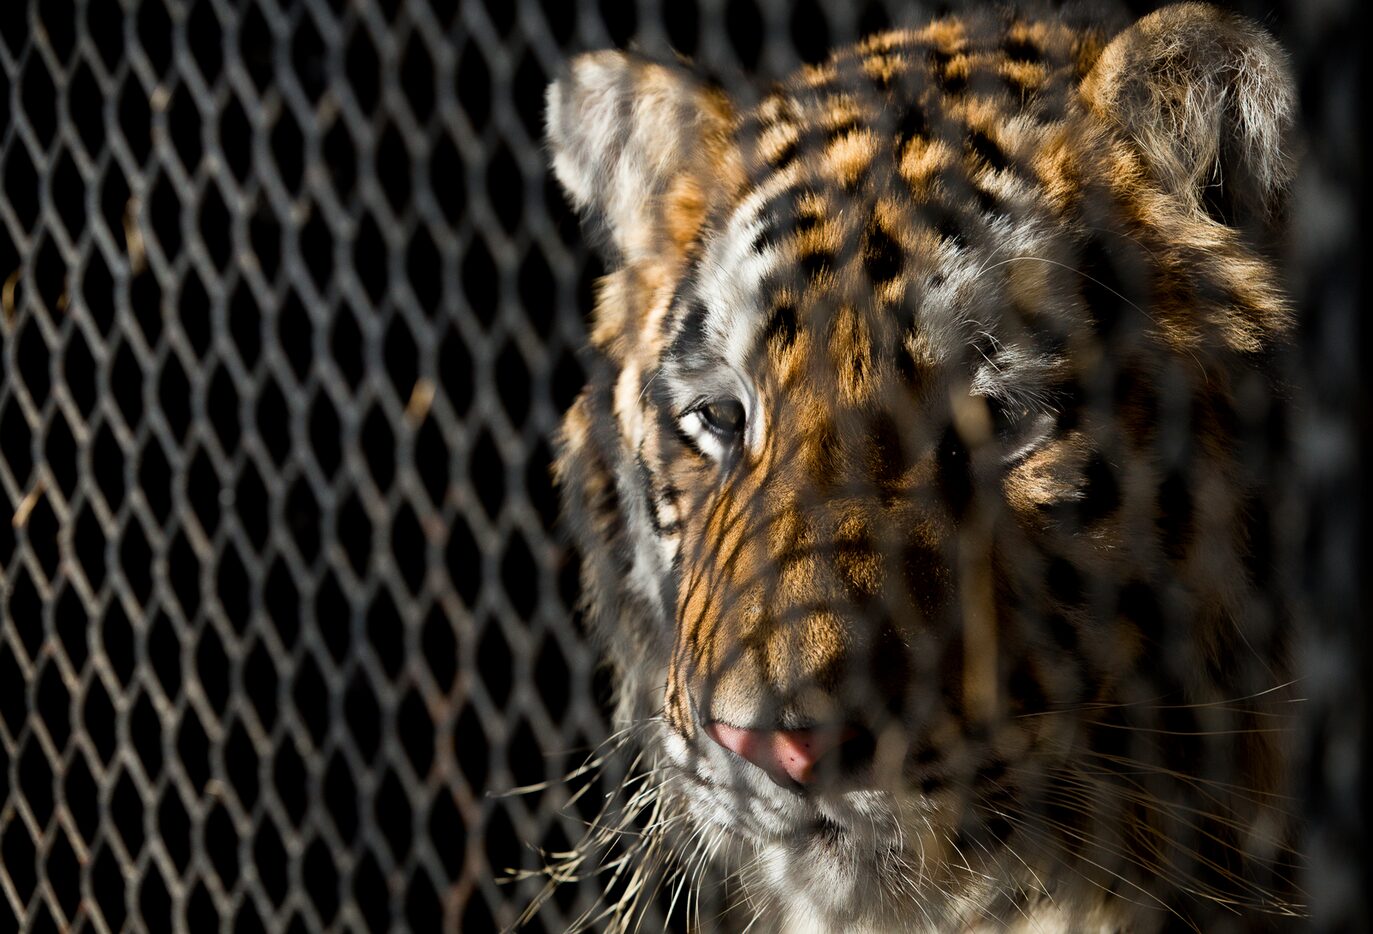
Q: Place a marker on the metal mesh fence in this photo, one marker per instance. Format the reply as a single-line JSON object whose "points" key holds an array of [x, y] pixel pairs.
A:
{"points": [[291, 310]]}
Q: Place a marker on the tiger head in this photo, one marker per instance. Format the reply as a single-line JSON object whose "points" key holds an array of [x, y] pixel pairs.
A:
{"points": [[917, 478]]}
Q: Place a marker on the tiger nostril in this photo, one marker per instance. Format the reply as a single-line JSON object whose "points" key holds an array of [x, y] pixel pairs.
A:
{"points": [[789, 757]]}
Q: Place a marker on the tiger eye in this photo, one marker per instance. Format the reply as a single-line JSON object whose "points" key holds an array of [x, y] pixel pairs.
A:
{"points": [[725, 417]]}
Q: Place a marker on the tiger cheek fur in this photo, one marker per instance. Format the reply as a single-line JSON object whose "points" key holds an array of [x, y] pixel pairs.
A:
{"points": [[910, 483]]}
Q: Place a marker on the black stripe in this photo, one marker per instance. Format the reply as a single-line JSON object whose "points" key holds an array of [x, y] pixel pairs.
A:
{"points": [[691, 336], [987, 150], [883, 259], [781, 326], [1023, 50]]}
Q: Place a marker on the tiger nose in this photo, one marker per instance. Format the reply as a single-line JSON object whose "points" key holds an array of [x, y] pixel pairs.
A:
{"points": [[782, 754]]}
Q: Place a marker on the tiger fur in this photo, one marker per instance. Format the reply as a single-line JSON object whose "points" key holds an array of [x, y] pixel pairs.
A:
{"points": [[919, 431]]}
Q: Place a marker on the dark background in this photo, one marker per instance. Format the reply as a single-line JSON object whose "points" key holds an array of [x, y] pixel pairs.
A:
{"points": [[291, 309]]}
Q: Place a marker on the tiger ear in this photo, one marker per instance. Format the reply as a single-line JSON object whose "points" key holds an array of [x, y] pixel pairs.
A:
{"points": [[638, 146], [1208, 99]]}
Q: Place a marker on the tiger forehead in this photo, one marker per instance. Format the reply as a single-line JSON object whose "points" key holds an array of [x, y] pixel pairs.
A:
{"points": [[880, 186], [898, 86], [929, 121]]}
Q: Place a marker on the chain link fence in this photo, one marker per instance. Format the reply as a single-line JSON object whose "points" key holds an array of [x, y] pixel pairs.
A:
{"points": [[291, 309]]}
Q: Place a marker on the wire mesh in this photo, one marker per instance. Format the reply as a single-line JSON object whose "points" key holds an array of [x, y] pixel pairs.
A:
{"points": [[291, 311]]}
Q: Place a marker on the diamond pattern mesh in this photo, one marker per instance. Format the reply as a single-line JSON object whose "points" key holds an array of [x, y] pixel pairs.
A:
{"points": [[290, 312]]}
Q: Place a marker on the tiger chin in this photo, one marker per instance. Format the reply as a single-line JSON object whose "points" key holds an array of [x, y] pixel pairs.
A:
{"points": [[920, 477]]}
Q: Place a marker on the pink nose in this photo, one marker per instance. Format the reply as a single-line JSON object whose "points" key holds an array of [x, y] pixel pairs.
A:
{"points": [[790, 753]]}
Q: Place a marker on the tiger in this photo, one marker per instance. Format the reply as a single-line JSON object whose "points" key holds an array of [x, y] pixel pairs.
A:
{"points": [[920, 480]]}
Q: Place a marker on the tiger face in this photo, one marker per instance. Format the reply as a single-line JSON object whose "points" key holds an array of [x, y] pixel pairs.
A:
{"points": [[915, 477]]}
